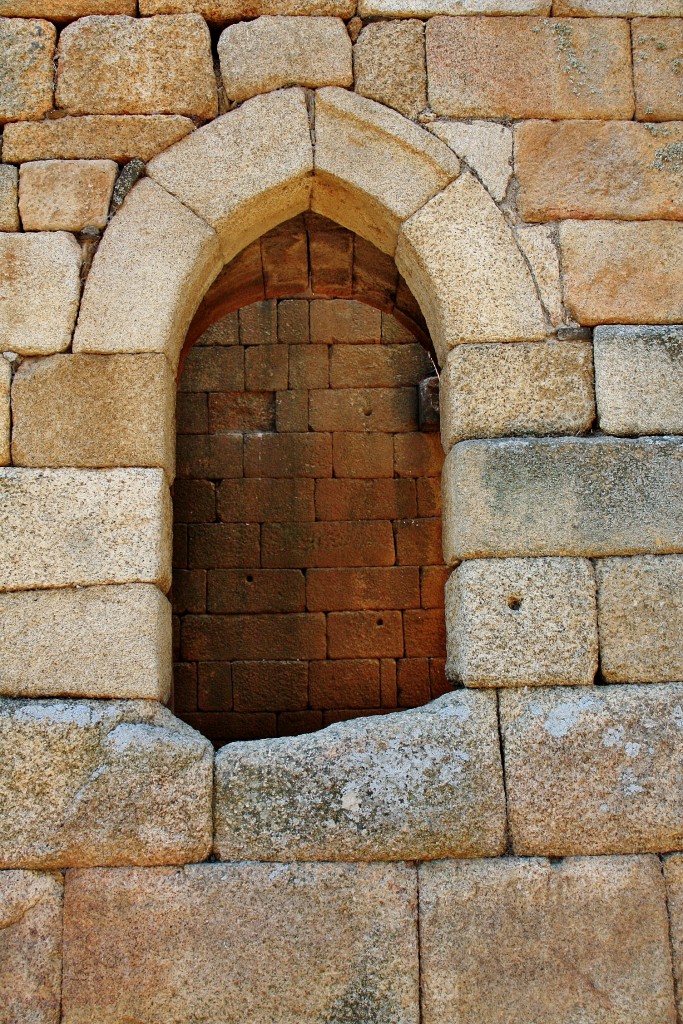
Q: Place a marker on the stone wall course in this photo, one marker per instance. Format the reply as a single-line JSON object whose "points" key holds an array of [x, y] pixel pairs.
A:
{"points": [[658, 71], [9, 190], [93, 137], [429, 8], [27, 47], [66, 10], [222, 11], [389, 65], [65, 195], [617, 8], [5, 415]]}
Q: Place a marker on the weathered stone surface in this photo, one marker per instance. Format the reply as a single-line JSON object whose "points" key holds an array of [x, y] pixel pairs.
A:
{"points": [[58, 195], [312, 943], [538, 243], [658, 70], [65, 527], [39, 288], [402, 166], [529, 67], [594, 771], [5, 423], [640, 605], [617, 8], [235, 10], [427, 8], [66, 10], [485, 146], [673, 874], [101, 782], [420, 784], [623, 273], [389, 65], [639, 379], [522, 622], [83, 410], [516, 388], [123, 65], [530, 940], [94, 137], [461, 263], [150, 272], [30, 947], [247, 171], [268, 53], [9, 212], [86, 642], [27, 48]]}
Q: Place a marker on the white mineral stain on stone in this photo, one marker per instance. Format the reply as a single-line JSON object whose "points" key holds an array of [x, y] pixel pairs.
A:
{"points": [[566, 715]]}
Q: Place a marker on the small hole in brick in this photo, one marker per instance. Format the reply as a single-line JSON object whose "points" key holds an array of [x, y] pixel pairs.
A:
{"points": [[380, 622], [367, 412], [515, 603], [250, 579]]}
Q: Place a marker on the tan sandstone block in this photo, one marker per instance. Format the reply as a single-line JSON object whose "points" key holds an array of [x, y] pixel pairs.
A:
{"points": [[389, 65], [462, 264], [101, 782], [623, 273], [86, 642], [640, 607], [529, 67], [312, 943], [673, 874], [402, 166], [594, 770], [268, 53], [27, 48], [66, 527], [586, 939], [485, 146], [236, 10], [5, 421], [517, 388], [30, 947], [123, 65], [65, 195], [9, 211], [40, 286], [658, 69], [616, 8], [538, 242], [94, 137], [151, 269], [247, 171]]}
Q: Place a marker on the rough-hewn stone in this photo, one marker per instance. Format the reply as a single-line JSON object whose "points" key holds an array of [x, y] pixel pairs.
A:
{"points": [[485, 146], [428, 8], [101, 782], [30, 947], [658, 70], [27, 49], [5, 423], [516, 388], [59, 195], [639, 379], [616, 8], [673, 874], [594, 771], [234, 10], [94, 137], [570, 496], [420, 784], [65, 527], [402, 167], [66, 10], [9, 211], [123, 65], [529, 67], [86, 642], [389, 65], [40, 286], [623, 273], [461, 263], [586, 939], [640, 604]]}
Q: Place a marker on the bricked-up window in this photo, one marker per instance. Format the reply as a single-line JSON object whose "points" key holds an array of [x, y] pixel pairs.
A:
{"points": [[308, 578]]}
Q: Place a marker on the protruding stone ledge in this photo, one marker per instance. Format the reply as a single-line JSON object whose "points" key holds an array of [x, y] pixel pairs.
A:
{"points": [[93, 137]]}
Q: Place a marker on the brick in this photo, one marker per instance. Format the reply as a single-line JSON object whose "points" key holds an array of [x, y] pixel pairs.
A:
{"points": [[429, 497], [292, 322], [418, 542], [258, 323], [296, 723], [331, 257], [184, 688], [394, 332], [192, 413], [213, 456], [237, 410], [364, 499], [389, 65], [375, 277], [189, 591], [223, 545], [256, 590], [213, 369], [365, 634], [332, 590], [179, 546], [368, 366], [284, 254], [214, 686], [363, 456], [9, 210], [433, 579], [387, 682], [230, 727], [418, 455], [94, 137], [343, 321], [58, 195], [266, 367], [235, 637], [270, 685], [26, 68], [657, 74], [194, 501], [309, 366], [344, 684], [262, 501], [437, 678], [371, 409], [175, 629], [425, 633], [287, 455], [347, 715], [321, 545], [222, 332], [412, 681], [291, 410]]}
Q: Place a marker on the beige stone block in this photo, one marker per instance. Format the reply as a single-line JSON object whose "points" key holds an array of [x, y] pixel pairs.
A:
{"points": [[61, 195], [673, 874], [66, 10], [101, 782], [94, 137], [518, 388], [5, 421], [461, 262], [235, 10], [93, 410], [639, 379], [623, 273], [522, 622], [402, 166], [86, 642], [9, 212], [594, 770], [247, 171], [529, 67], [39, 289], [658, 69], [30, 947], [485, 146], [567, 496], [428, 8], [312, 943], [27, 48], [268, 53], [616, 8], [72, 527], [538, 243], [359, 790], [344, 321], [585, 939], [389, 65], [150, 272], [640, 607]]}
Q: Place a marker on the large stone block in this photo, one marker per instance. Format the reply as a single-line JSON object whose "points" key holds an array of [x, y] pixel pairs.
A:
{"points": [[485, 146], [66, 10], [673, 873], [522, 622], [570, 496], [538, 242], [27, 48], [639, 379], [94, 137], [594, 771], [530, 940], [616, 8], [640, 607], [228, 943], [65, 527], [657, 71], [420, 784], [40, 286], [101, 782], [235, 10], [389, 65], [30, 947], [428, 8], [58, 195], [9, 209], [86, 642], [5, 380], [105, 66]]}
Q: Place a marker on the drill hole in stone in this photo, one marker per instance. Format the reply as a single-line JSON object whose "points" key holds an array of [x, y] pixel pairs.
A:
{"points": [[514, 602]]}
